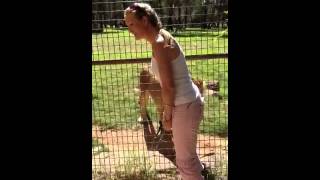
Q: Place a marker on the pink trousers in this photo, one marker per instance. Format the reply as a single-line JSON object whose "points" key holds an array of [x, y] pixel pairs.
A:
{"points": [[185, 124]]}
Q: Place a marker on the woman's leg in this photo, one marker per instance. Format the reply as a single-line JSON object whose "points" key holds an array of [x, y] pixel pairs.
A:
{"points": [[185, 125]]}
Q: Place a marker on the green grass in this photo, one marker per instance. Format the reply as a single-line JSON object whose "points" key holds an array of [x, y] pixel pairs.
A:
{"points": [[115, 104], [137, 167], [215, 115], [119, 44], [98, 147]]}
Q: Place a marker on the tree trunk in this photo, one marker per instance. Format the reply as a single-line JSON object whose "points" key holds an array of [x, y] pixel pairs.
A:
{"points": [[170, 18], [96, 22], [204, 16], [179, 18]]}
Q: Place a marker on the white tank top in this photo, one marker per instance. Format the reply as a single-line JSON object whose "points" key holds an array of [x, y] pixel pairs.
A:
{"points": [[185, 90]]}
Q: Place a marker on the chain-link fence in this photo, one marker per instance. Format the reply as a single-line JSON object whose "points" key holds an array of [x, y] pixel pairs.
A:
{"points": [[119, 149]]}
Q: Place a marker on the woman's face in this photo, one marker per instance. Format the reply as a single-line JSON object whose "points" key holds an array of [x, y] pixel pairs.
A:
{"points": [[135, 26]]}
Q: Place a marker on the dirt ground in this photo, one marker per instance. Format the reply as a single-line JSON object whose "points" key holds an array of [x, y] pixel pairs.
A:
{"points": [[127, 148]]}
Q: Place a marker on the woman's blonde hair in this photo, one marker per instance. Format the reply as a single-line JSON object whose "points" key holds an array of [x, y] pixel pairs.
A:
{"points": [[144, 9]]}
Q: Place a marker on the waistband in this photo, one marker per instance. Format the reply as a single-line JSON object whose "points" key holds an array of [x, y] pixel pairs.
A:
{"points": [[199, 100]]}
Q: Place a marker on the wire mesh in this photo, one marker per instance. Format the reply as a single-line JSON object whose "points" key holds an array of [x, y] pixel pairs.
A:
{"points": [[119, 149]]}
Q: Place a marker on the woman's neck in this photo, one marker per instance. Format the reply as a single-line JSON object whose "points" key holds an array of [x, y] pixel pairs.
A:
{"points": [[152, 36]]}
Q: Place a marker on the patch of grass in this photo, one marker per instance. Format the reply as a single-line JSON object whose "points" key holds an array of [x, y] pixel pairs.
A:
{"points": [[196, 32], [98, 147], [119, 44], [215, 111], [220, 170], [115, 104], [137, 167]]}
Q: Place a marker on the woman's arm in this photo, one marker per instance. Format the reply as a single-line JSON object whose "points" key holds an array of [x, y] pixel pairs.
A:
{"points": [[162, 56]]}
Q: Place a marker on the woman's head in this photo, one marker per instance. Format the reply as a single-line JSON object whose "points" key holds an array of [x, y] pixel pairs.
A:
{"points": [[139, 17]]}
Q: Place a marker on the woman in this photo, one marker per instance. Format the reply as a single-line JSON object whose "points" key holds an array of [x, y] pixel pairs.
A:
{"points": [[183, 106]]}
